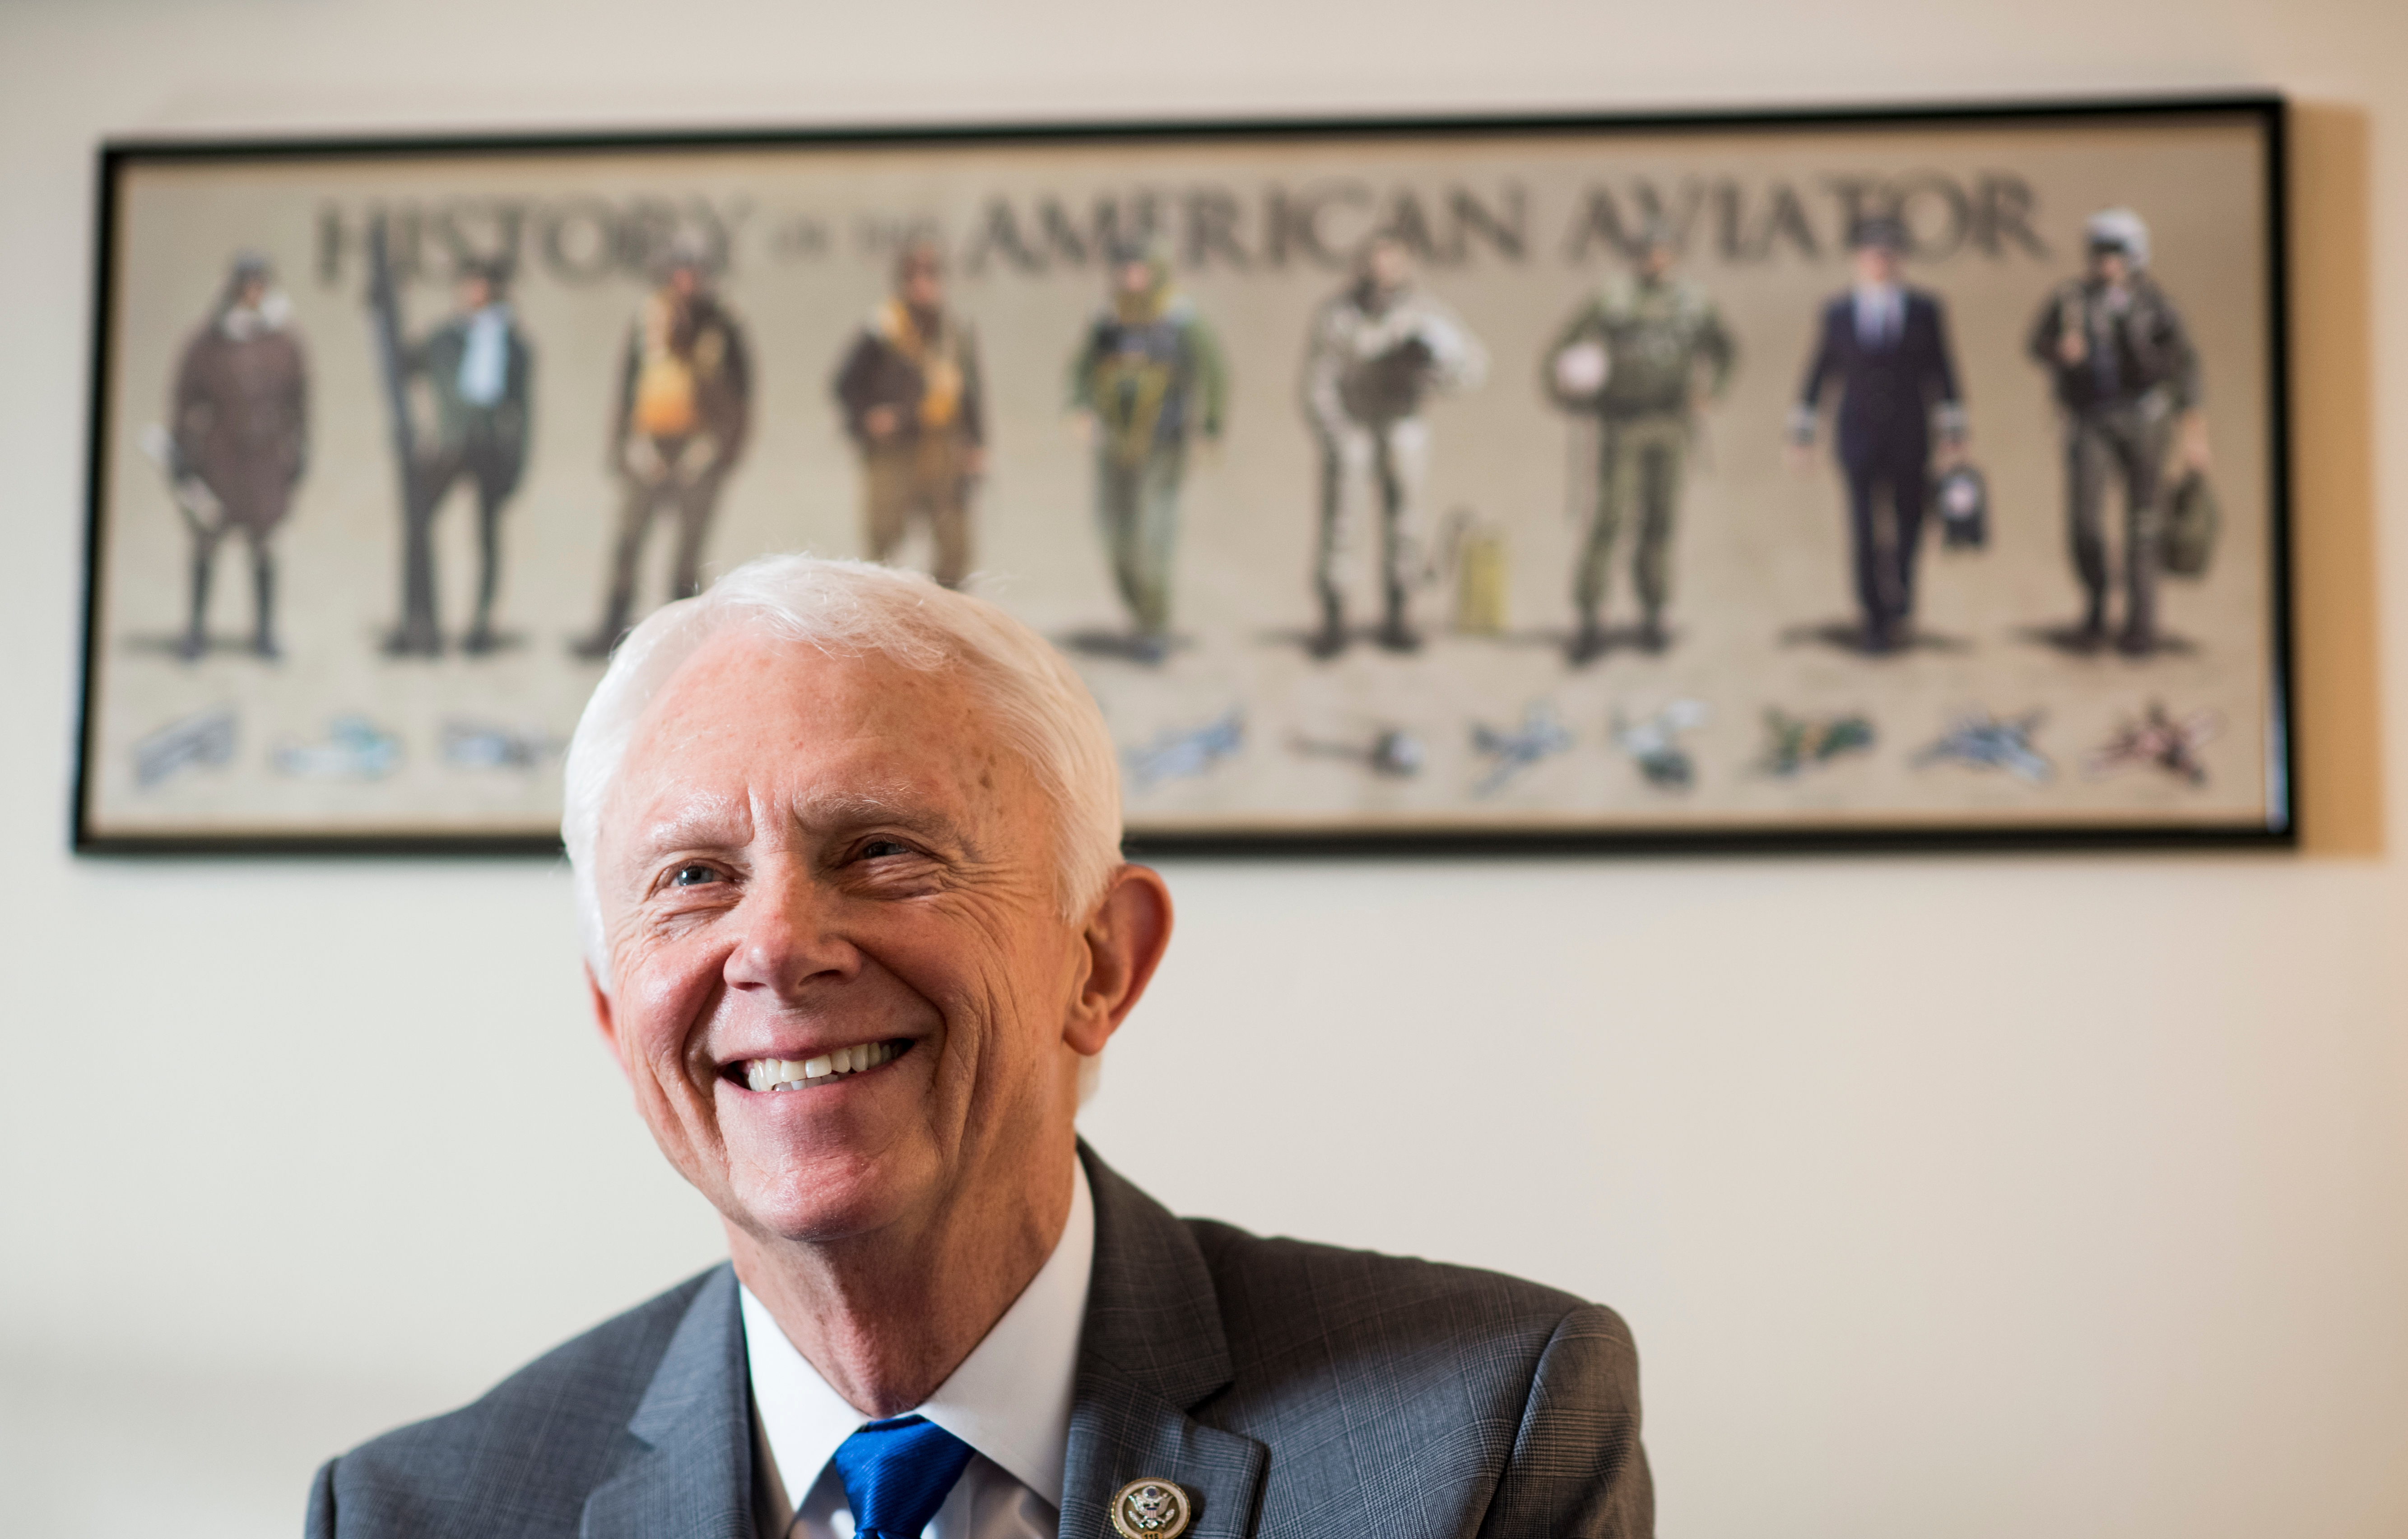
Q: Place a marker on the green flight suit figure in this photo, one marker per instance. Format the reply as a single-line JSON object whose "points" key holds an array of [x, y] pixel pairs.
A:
{"points": [[1641, 357], [1148, 378]]}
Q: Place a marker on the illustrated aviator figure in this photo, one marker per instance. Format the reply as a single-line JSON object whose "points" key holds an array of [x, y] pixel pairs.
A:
{"points": [[2126, 379], [684, 409], [1884, 347], [481, 370], [913, 405], [1642, 356], [1148, 378], [240, 439], [1378, 350]]}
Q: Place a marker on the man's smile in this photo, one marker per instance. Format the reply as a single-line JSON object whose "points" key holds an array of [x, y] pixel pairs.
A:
{"points": [[798, 1074]]}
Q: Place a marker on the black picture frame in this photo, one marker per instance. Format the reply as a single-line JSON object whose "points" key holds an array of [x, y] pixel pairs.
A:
{"points": [[2265, 114]]}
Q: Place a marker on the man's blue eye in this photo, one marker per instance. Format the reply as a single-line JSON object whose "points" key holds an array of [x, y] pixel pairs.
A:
{"points": [[878, 847], [692, 875]]}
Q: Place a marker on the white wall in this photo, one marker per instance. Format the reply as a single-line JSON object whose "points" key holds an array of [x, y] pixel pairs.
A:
{"points": [[1975, 1196]]}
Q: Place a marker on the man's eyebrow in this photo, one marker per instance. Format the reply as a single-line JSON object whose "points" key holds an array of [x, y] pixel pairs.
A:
{"points": [[895, 804], [710, 821], [693, 821]]}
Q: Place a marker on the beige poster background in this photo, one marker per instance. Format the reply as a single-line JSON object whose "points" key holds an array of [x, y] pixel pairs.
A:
{"points": [[1761, 551]]}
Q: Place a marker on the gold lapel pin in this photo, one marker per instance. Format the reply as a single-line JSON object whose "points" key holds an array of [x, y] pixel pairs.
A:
{"points": [[1150, 1507]]}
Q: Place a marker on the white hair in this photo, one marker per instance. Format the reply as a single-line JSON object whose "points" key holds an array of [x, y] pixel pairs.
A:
{"points": [[1037, 704], [2122, 228]]}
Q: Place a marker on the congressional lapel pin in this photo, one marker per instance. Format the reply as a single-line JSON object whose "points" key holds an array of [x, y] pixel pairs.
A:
{"points": [[1150, 1507]]}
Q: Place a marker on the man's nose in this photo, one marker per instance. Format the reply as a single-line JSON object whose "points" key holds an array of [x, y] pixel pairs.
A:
{"points": [[791, 936]]}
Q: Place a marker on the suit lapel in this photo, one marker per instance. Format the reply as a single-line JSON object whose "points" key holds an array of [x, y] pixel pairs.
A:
{"points": [[687, 1470], [1152, 1350]]}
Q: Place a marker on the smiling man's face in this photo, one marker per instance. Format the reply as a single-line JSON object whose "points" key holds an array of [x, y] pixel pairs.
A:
{"points": [[842, 986]]}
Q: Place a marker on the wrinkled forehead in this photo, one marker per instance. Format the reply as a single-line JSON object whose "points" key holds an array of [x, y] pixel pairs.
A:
{"points": [[753, 721]]}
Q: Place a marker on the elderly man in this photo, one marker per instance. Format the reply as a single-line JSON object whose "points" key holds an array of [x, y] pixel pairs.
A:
{"points": [[846, 845]]}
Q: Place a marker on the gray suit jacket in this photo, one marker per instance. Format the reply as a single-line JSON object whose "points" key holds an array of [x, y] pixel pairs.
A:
{"points": [[1292, 1388]]}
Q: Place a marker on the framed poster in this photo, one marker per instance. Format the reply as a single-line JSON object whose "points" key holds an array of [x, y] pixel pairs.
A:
{"points": [[1829, 479]]}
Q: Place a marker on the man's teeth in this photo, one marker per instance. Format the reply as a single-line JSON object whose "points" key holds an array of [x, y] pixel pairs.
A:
{"points": [[791, 1073]]}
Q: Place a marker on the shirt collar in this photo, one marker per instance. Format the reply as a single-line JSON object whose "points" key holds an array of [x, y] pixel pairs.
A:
{"points": [[1009, 1398]]}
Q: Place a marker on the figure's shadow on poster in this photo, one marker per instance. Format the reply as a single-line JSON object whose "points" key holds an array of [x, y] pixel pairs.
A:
{"points": [[1124, 645], [2072, 640], [170, 644], [1848, 635], [1309, 641], [495, 645], [1626, 639]]}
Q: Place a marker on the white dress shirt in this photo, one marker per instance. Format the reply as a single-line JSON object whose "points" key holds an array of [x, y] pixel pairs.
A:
{"points": [[1009, 1401], [485, 362], [1881, 315]]}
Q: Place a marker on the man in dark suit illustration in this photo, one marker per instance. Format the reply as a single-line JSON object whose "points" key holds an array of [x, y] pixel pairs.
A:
{"points": [[481, 371], [1884, 347], [846, 845]]}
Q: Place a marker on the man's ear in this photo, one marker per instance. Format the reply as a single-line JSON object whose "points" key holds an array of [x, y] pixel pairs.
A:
{"points": [[1124, 940], [603, 1022]]}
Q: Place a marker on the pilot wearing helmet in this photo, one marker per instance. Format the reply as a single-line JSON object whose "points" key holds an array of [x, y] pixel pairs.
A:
{"points": [[2127, 383], [1379, 349]]}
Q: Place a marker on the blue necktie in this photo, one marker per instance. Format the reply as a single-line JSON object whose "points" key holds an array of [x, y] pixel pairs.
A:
{"points": [[895, 1475]]}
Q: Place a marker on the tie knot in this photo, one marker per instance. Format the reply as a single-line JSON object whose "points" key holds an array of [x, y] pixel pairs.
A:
{"points": [[895, 1475]]}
